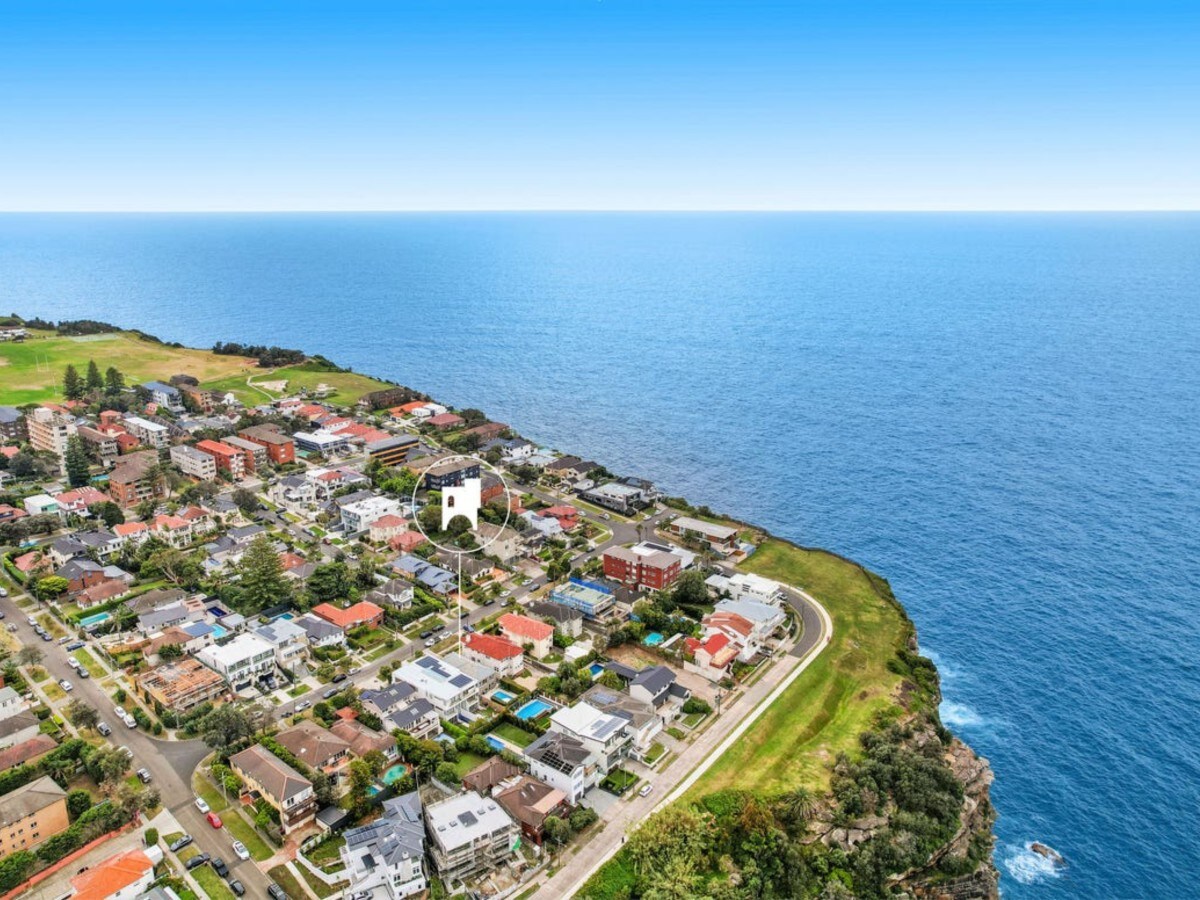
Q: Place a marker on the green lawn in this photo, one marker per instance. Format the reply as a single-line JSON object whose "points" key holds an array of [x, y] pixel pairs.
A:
{"points": [[299, 690], [825, 709], [656, 750], [510, 732], [211, 794], [328, 851], [53, 691], [212, 884], [32, 371], [347, 386], [89, 662], [691, 720], [244, 832], [619, 781], [320, 888], [466, 762], [283, 877]]}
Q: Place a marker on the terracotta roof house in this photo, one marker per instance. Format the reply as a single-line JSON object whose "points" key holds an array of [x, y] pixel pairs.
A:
{"points": [[492, 650], [489, 773], [531, 802], [315, 746], [123, 876], [361, 613], [26, 751], [278, 783], [446, 421], [407, 541], [522, 630], [361, 739]]}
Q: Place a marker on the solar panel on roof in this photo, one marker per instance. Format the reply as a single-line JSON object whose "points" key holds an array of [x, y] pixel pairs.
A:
{"points": [[467, 818], [460, 681]]}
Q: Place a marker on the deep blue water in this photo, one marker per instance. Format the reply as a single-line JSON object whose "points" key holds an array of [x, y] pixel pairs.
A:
{"points": [[997, 412]]}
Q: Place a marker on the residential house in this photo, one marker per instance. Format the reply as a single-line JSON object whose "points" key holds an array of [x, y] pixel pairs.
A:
{"points": [[131, 532], [501, 654], [26, 752], [41, 505], [18, 728], [288, 791], [101, 592], [320, 632], [544, 526], [359, 516], [77, 500], [451, 691], [488, 774], [289, 640], [361, 613], [10, 703], [406, 541], [765, 618], [469, 834], [12, 425], [316, 747], [566, 620], [530, 802], [643, 723], [395, 593], [500, 542], [31, 814], [134, 479], [604, 734], [486, 677], [436, 579], [240, 661], [656, 685], [419, 719], [389, 699], [446, 421], [572, 468], [124, 876], [385, 858], [181, 685], [387, 527], [564, 762], [591, 599], [362, 740], [101, 444], [712, 657], [525, 631]]}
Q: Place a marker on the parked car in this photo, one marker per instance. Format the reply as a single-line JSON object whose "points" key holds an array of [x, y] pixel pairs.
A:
{"points": [[329, 693], [429, 642], [275, 892], [104, 728], [3, 593], [240, 849], [126, 751], [645, 789], [66, 685], [197, 861], [214, 820], [84, 673], [32, 621], [64, 638], [237, 887], [355, 670], [202, 804], [144, 776], [339, 677], [12, 626], [46, 636], [180, 843], [426, 633], [2, 614], [303, 705], [76, 645], [219, 867]]}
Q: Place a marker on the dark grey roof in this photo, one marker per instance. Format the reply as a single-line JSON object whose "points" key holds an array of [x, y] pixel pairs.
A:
{"points": [[412, 714], [627, 672], [655, 679], [9, 415], [558, 750], [391, 696], [556, 611]]}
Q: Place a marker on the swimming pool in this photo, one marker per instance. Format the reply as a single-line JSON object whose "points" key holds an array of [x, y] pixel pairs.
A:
{"points": [[93, 620], [653, 639], [218, 612], [496, 743], [503, 697], [219, 632], [596, 669], [287, 616], [395, 773], [533, 709]]}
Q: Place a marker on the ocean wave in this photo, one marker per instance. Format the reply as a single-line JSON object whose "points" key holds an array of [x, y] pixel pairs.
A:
{"points": [[1028, 867], [959, 715]]}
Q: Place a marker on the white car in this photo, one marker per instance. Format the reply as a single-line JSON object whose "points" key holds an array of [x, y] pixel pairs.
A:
{"points": [[66, 685], [645, 790], [240, 849], [201, 805]]}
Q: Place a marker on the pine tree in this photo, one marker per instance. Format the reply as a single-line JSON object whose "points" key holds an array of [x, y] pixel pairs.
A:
{"points": [[95, 381], [262, 581], [76, 461], [72, 384], [114, 381]]}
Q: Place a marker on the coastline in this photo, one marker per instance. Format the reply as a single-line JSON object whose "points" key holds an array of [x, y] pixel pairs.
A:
{"points": [[972, 772]]}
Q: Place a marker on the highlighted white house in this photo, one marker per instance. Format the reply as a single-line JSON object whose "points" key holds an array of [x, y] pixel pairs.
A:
{"points": [[462, 500]]}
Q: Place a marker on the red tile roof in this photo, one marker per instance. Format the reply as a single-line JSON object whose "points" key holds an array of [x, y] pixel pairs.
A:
{"points": [[127, 528], [492, 646], [115, 873], [409, 540], [388, 521], [447, 419], [363, 611], [525, 627]]}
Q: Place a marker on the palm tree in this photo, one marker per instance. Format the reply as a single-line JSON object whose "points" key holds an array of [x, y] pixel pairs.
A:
{"points": [[797, 807]]}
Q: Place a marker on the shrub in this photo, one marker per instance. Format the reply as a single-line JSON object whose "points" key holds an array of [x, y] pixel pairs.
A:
{"points": [[151, 837]]}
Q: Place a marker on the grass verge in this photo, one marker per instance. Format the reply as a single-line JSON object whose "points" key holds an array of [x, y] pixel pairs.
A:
{"points": [[212, 884], [244, 832], [283, 877]]}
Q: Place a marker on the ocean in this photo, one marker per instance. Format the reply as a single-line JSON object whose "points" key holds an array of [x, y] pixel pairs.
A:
{"points": [[999, 413]]}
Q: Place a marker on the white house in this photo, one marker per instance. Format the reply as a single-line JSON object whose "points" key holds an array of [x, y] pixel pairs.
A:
{"points": [[449, 690], [386, 856], [602, 733], [359, 515], [241, 660], [289, 640]]}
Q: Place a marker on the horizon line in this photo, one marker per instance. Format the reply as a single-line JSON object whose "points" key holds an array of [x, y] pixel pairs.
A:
{"points": [[615, 210]]}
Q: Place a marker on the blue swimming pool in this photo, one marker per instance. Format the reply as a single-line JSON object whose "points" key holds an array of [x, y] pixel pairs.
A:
{"points": [[287, 616], [533, 709], [596, 669], [653, 639], [219, 632], [218, 612], [496, 743], [503, 697], [93, 620]]}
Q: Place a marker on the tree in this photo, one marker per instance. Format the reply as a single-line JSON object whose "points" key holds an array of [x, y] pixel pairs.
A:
{"points": [[689, 590], [95, 381], [107, 512], [385, 674], [50, 587], [22, 465], [82, 714], [796, 808], [557, 830], [114, 381], [330, 582], [107, 764], [361, 779], [175, 566], [78, 802], [76, 462], [430, 518], [446, 773], [263, 584], [150, 837], [226, 726], [245, 500], [168, 652], [72, 384], [458, 525], [30, 656]]}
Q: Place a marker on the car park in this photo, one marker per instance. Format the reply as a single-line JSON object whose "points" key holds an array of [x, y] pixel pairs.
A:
{"points": [[219, 867], [180, 843], [197, 861], [214, 820], [237, 887], [202, 804], [240, 850]]}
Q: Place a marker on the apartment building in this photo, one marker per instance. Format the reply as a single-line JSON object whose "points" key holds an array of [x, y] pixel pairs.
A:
{"points": [[281, 449], [31, 814], [191, 461], [149, 433], [49, 430], [228, 459], [469, 834], [132, 480], [241, 660]]}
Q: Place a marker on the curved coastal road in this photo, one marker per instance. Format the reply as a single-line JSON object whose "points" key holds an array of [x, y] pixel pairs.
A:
{"points": [[693, 762]]}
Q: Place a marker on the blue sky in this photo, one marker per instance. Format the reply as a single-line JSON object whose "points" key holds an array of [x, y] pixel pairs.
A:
{"points": [[616, 104]]}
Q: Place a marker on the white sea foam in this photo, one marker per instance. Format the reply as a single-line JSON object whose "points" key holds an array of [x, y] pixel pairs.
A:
{"points": [[958, 715], [1028, 867]]}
